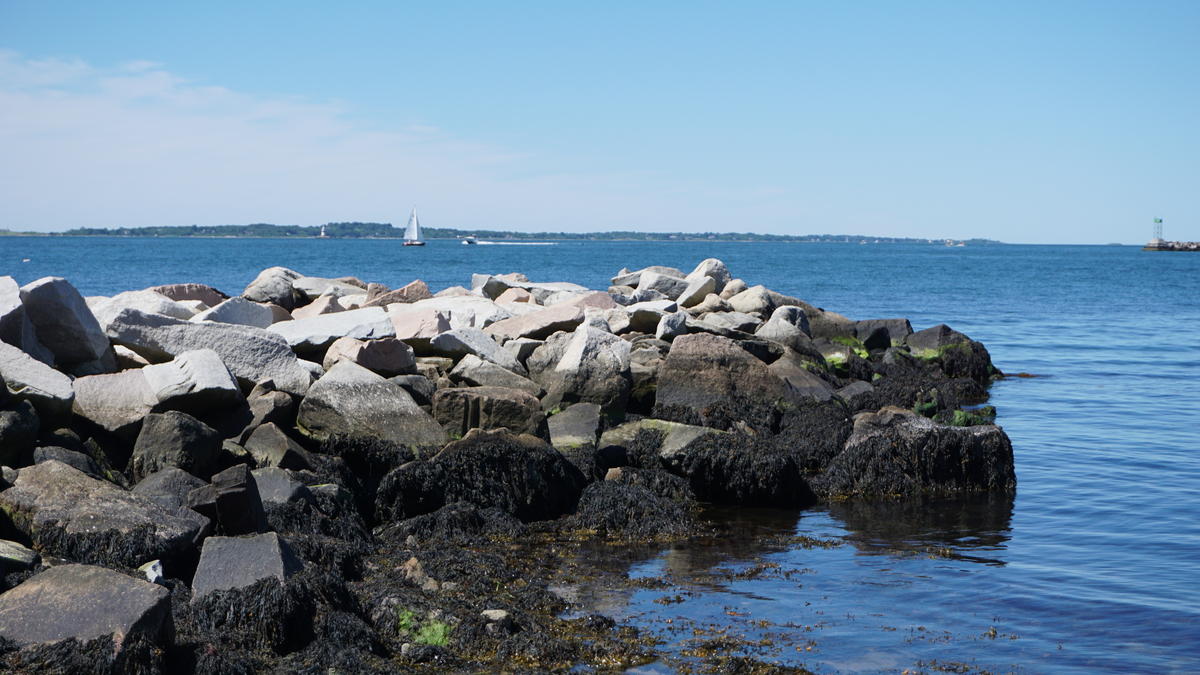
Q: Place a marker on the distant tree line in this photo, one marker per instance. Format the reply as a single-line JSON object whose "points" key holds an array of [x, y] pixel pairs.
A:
{"points": [[357, 230]]}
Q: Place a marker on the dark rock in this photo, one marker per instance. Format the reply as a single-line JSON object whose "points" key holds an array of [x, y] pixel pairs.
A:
{"points": [[175, 439], [69, 457], [268, 407], [521, 475], [419, 387], [460, 410], [934, 338], [455, 522], [228, 563], [886, 332], [712, 381], [168, 488], [85, 602], [270, 446], [231, 502], [740, 470], [626, 510], [276, 486], [18, 431], [896, 452], [67, 513]]}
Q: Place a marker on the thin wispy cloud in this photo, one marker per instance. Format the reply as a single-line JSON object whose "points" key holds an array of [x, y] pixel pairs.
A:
{"points": [[135, 145]]}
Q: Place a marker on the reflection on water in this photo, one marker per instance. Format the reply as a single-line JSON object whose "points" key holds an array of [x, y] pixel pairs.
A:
{"points": [[973, 528]]}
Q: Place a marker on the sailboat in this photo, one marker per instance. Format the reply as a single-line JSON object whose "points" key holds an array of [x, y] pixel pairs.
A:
{"points": [[412, 232]]}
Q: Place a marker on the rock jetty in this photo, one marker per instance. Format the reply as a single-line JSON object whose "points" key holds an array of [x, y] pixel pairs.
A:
{"points": [[328, 474]]}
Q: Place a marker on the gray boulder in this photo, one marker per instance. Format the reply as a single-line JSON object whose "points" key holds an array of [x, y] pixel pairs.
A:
{"points": [[627, 278], [460, 410], [417, 325], [669, 285], [117, 402], [934, 338], [271, 447], [230, 563], [148, 302], [352, 402], [577, 426], [84, 602], [465, 311], [69, 514], [15, 557], [169, 488], [195, 380], [784, 325], [387, 356], [66, 326], [174, 439], [460, 342], [251, 354], [274, 285], [312, 287], [696, 291], [238, 311], [595, 368], [476, 372], [316, 333], [72, 458], [711, 268], [672, 326], [276, 486]]}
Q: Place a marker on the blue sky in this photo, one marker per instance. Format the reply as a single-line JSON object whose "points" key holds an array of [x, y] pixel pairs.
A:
{"points": [[1021, 121]]}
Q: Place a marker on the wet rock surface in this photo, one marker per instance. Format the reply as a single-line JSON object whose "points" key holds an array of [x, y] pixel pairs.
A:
{"points": [[404, 480]]}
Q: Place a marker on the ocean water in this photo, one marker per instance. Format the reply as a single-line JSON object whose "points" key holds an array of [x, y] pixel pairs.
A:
{"points": [[1092, 566]]}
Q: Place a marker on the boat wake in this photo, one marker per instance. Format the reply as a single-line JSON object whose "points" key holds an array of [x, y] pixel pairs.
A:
{"points": [[516, 243]]}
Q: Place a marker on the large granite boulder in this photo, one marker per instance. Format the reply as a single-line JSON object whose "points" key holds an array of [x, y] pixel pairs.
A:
{"points": [[627, 278], [669, 285], [252, 354], [196, 382], [271, 447], [417, 325], [520, 475], [387, 356], [174, 439], [414, 291], [476, 372], [539, 324], [169, 488], [228, 563], [714, 269], [595, 368], [316, 333], [788, 326], [460, 342], [696, 291], [69, 514], [352, 402], [84, 602], [460, 410], [898, 452], [148, 302], [66, 326], [312, 287], [713, 381], [239, 311], [274, 285], [466, 311], [27, 378]]}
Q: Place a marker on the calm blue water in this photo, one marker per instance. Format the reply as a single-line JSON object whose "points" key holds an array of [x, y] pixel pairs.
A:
{"points": [[1093, 566]]}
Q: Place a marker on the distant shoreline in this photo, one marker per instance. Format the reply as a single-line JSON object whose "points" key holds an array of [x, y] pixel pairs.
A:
{"points": [[386, 231]]}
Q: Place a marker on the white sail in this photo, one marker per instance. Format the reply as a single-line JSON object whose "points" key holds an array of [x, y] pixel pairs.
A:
{"points": [[413, 231]]}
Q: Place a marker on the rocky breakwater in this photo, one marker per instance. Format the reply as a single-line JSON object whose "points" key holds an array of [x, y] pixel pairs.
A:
{"points": [[327, 474]]}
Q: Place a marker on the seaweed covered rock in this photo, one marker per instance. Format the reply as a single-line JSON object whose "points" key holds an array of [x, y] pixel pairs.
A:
{"points": [[630, 511], [897, 452], [77, 608], [522, 475], [67, 513], [734, 469], [455, 522]]}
